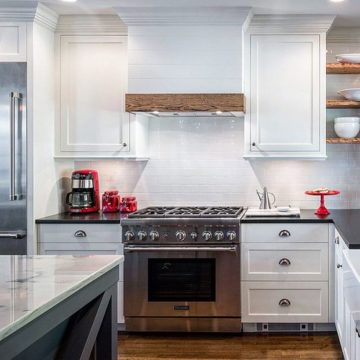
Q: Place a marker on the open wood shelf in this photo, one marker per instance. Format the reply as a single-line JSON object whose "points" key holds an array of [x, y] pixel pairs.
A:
{"points": [[342, 104], [339, 68], [343, 141]]}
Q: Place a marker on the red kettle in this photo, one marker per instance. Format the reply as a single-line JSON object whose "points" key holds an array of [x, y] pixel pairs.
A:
{"points": [[110, 201]]}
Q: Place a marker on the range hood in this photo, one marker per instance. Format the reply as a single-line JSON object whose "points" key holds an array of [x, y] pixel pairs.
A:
{"points": [[186, 105]]}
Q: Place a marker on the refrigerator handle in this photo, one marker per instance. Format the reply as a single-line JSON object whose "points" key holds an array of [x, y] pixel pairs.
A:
{"points": [[15, 99]]}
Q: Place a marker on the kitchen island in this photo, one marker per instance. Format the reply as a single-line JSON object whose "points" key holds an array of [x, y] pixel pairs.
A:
{"points": [[58, 307]]}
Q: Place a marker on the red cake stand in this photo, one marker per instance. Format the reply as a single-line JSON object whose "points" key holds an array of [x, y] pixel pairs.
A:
{"points": [[322, 210]]}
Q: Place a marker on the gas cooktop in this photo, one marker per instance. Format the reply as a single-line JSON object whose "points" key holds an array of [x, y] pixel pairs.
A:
{"points": [[188, 212]]}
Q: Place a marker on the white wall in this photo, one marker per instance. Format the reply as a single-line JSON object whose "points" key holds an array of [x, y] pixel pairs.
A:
{"points": [[185, 59]]}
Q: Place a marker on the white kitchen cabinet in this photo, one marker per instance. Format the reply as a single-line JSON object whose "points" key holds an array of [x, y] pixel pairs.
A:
{"points": [[339, 289], [285, 88], [91, 117], [84, 239], [284, 302], [12, 42], [284, 273]]}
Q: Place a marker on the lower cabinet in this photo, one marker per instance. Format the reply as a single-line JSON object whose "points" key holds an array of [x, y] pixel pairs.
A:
{"points": [[347, 302], [84, 239], [285, 273]]}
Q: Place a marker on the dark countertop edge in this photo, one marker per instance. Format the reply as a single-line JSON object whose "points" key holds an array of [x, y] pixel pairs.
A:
{"points": [[92, 218]]}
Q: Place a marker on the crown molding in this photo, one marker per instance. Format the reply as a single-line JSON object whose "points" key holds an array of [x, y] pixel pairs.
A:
{"points": [[28, 11], [91, 24], [46, 17], [344, 35], [172, 16], [264, 24]]}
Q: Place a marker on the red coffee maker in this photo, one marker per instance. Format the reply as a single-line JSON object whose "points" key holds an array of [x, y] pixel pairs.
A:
{"points": [[84, 197], [111, 201]]}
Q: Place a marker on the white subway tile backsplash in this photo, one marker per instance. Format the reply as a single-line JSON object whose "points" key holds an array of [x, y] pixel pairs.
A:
{"points": [[182, 172]]}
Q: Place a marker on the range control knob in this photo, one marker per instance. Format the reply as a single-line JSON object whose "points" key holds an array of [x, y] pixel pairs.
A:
{"points": [[154, 235], [142, 235], [219, 235], [180, 235], [193, 235], [231, 235], [129, 235], [206, 235]]}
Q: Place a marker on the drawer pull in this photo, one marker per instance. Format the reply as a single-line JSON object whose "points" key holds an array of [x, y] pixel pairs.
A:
{"points": [[339, 266], [285, 262], [337, 240], [80, 234], [284, 233], [357, 331], [284, 302]]}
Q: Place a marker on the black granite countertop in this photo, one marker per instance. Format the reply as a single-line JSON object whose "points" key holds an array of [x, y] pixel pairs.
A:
{"points": [[92, 218], [347, 223]]}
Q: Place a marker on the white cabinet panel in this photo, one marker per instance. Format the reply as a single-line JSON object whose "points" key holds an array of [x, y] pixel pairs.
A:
{"points": [[93, 80], [101, 239], [302, 302], [13, 42], [284, 261], [285, 232], [285, 91]]}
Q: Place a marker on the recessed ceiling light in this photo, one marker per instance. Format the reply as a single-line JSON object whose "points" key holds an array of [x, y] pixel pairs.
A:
{"points": [[70, 1], [336, 1]]}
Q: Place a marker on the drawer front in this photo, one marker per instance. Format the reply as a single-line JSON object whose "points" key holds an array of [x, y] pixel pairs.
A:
{"points": [[82, 233], [284, 261], [284, 302], [285, 232], [84, 250]]}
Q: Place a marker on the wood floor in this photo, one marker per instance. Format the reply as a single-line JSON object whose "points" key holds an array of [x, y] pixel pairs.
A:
{"points": [[151, 347]]}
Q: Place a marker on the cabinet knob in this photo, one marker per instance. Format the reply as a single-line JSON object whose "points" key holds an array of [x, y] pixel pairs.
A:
{"points": [[253, 144], [284, 302], [80, 234], [284, 262], [337, 241], [339, 266], [284, 233]]}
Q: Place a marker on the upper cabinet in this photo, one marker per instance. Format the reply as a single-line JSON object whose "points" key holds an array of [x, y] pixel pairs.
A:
{"points": [[92, 82], [285, 87], [13, 41]]}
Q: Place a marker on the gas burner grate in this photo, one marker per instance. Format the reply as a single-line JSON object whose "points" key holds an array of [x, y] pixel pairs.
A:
{"points": [[159, 211], [188, 212]]}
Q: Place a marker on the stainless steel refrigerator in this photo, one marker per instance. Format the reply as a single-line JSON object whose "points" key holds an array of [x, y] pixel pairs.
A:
{"points": [[13, 223]]}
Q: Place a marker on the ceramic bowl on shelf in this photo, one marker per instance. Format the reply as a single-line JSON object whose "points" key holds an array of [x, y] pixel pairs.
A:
{"points": [[350, 94], [348, 58], [347, 127]]}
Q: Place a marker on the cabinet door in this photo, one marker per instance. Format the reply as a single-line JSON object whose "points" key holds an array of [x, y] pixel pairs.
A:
{"points": [[339, 294], [12, 42], [93, 82], [284, 93]]}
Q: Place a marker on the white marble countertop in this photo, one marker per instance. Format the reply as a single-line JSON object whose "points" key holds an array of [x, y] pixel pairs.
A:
{"points": [[31, 285]]}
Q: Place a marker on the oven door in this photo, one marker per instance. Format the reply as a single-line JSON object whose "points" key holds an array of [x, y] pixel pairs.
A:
{"points": [[176, 281]]}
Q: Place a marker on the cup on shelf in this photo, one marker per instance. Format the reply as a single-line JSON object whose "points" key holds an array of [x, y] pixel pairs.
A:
{"points": [[347, 127]]}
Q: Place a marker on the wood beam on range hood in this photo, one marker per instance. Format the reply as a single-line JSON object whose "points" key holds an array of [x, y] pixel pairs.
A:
{"points": [[185, 102]]}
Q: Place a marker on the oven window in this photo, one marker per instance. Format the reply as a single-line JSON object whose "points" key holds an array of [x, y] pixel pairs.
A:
{"points": [[181, 279]]}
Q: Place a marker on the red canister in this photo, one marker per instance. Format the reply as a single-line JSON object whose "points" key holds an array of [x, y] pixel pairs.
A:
{"points": [[110, 201], [128, 204]]}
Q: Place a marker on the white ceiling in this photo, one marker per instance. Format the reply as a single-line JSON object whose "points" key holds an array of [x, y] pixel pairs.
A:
{"points": [[347, 12]]}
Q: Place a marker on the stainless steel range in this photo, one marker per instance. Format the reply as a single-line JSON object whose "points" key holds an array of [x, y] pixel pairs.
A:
{"points": [[182, 269]]}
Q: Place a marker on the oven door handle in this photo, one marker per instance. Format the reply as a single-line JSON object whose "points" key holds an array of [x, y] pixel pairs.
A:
{"points": [[232, 248]]}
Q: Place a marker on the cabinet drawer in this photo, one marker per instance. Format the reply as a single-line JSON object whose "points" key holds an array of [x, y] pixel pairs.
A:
{"points": [[284, 261], [82, 233], [307, 302], [285, 232]]}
